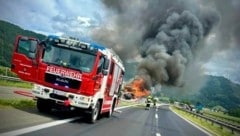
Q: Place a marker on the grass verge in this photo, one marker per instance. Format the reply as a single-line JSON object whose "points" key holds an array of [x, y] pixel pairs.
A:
{"points": [[212, 128], [127, 102], [223, 117], [16, 84], [18, 103]]}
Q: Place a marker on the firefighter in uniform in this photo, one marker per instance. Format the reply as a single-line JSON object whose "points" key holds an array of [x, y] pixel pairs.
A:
{"points": [[148, 102]]}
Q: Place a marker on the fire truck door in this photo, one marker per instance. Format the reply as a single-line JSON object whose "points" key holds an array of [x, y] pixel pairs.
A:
{"points": [[115, 83], [24, 60]]}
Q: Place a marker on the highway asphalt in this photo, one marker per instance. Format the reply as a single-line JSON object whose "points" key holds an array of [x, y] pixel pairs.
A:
{"points": [[9, 93], [134, 121]]}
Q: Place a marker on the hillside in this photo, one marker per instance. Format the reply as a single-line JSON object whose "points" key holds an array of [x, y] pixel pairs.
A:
{"points": [[216, 91], [220, 91], [8, 32]]}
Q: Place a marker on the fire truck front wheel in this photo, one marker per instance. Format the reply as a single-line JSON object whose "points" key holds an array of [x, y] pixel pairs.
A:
{"points": [[95, 113], [43, 105]]}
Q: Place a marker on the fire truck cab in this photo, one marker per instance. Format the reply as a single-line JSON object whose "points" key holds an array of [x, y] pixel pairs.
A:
{"points": [[69, 72]]}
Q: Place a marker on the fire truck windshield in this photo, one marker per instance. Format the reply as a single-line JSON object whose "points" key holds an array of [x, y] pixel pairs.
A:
{"points": [[77, 60]]}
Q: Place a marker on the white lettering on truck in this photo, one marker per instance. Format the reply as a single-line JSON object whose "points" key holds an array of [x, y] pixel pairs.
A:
{"points": [[64, 72]]}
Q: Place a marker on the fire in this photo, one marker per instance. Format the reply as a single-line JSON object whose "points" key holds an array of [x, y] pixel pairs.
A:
{"points": [[136, 87]]}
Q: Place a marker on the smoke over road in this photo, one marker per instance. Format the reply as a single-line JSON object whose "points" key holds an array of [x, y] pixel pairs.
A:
{"points": [[167, 37]]}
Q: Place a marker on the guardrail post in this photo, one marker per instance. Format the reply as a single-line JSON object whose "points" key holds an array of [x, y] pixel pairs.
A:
{"points": [[222, 124], [6, 71]]}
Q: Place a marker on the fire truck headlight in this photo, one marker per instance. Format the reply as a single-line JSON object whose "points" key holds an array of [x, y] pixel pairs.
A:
{"points": [[81, 98], [37, 87], [84, 99]]}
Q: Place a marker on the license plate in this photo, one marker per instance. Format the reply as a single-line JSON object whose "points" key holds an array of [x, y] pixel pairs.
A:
{"points": [[59, 92]]}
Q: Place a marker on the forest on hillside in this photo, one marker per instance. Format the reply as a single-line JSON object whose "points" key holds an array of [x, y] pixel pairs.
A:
{"points": [[217, 91], [8, 32]]}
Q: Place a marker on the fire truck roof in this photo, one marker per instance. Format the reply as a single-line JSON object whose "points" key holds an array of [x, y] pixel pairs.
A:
{"points": [[85, 44], [72, 39]]}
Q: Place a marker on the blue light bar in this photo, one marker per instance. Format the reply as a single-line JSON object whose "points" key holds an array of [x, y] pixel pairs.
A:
{"points": [[98, 46], [53, 37], [75, 41]]}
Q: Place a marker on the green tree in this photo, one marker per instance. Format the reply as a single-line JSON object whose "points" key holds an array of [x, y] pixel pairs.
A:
{"points": [[8, 32]]}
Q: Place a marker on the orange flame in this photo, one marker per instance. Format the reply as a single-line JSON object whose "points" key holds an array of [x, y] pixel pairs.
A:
{"points": [[136, 87]]}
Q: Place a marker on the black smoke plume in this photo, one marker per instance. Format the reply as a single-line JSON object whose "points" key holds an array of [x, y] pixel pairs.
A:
{"points": [[165, 36]]}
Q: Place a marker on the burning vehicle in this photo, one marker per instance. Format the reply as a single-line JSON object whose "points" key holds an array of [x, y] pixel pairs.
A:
{"points": [[136, 89]]}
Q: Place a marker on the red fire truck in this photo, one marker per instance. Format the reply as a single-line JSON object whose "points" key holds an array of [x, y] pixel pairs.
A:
{"points": [[69, 72]]}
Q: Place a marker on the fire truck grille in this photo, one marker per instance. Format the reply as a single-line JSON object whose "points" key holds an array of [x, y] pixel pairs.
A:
{"points": [[62, 81], [59, 97]]}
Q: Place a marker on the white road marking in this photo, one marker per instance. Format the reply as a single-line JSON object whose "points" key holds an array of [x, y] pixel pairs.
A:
{"points": [[117, 111], [156, 116], [38, 127], [198, 127], [118, 108], [157, 129], [50, 124]]}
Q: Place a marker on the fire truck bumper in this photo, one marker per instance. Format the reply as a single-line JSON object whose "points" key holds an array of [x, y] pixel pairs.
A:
{"points": [[72, 99]]}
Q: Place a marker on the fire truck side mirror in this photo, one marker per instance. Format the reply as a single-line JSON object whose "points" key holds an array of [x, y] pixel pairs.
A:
{"points": [[106, 64], [105, 67]]}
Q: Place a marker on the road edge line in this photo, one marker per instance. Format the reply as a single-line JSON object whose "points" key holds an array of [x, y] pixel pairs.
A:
{"points": [[123, 107], [37, 127], [205, 130], [47, 125]]}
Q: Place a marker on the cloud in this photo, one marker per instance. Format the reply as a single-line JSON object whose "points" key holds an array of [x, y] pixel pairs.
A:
{"points": [[27, 14], [73, 18], [225, 63], [84, 21]]}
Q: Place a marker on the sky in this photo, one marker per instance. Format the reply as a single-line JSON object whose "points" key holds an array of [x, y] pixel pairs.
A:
{"points": [[81, 17], [54, 16]]}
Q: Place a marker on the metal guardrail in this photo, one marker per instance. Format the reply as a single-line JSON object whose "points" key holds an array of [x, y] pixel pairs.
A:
{"points": [[10, 78], [222, 118], [233, 128]]}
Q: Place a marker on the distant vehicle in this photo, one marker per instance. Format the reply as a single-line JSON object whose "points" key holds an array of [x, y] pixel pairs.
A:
{"points": [[69, 72]]}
